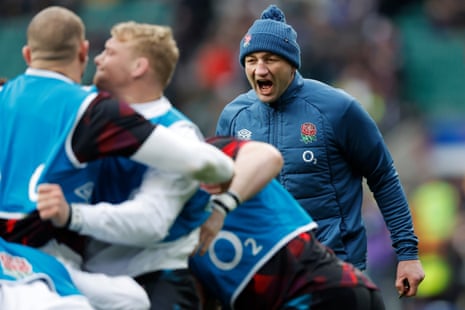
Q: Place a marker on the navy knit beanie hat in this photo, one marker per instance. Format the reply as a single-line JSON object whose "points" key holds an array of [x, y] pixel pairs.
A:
{"points": [[272, 34]]}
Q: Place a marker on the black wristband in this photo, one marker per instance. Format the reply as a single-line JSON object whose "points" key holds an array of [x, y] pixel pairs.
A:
{"points": [[220, 204], [234, 196]]}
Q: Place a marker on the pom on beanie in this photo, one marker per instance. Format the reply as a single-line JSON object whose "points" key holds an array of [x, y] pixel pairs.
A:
{"points": [[271, 34]]}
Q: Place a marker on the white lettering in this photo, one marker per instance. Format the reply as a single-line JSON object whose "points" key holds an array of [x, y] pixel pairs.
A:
{"points": [[236, 243], [309, 157], [253, 244], [33, 182], [237, 249]]}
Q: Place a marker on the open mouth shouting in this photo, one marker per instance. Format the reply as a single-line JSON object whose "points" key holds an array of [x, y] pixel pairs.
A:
{"points": [[264, 87]]}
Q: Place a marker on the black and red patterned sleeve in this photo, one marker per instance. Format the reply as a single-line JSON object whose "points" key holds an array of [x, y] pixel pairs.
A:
{"points": [[229, 145], [109, 128]]}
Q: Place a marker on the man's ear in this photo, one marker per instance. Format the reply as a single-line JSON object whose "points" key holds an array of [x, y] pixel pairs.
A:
{"points": [[83, 53], [141, 65], [26, 54]]}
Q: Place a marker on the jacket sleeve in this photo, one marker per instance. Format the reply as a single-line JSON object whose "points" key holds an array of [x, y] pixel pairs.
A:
{"points": [[223, 126], [366, 150], [230, 111]]}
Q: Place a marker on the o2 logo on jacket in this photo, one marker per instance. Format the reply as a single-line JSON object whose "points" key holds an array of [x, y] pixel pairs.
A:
{"points": [[309, 157]]}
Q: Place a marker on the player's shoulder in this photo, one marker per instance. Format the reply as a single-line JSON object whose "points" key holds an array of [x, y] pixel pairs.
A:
{"points": [[246, 98], [241, 102]]}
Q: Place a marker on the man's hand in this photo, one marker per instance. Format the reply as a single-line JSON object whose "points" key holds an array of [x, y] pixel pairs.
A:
{"points": [[216, 188], [409, 276], [209, 230], [52, 205]]}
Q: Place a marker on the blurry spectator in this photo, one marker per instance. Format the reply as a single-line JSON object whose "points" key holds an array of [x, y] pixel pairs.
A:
{"points": [[192, 18], [11, 8], [435, 209]]}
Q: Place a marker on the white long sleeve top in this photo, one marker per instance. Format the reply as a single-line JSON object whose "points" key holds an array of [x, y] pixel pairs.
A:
{"points": [[126, 237]]}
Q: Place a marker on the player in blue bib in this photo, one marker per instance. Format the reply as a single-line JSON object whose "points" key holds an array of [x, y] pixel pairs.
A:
{"points": [[266, 256]]}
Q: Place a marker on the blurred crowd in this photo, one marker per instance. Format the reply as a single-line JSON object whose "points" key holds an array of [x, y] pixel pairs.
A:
{"points": [[403, 60]]}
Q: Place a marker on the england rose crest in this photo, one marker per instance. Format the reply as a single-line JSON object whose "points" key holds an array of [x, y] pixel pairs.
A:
{"points": [[247, 39], [308, 132]]}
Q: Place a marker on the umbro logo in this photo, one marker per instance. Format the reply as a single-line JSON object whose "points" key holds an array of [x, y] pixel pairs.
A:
{"points": [[244, 134], [85, 191]]}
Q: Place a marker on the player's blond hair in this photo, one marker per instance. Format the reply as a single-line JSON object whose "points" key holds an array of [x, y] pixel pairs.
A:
{"points": [[54, 34], [156, 42]]}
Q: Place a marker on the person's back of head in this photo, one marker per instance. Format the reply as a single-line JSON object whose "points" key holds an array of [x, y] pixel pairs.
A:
{"points": [[155, 42], [54, 35]]}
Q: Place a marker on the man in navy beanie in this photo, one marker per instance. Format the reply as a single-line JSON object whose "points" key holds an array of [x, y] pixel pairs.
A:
{"points": [[271, 33], [329, 144]]}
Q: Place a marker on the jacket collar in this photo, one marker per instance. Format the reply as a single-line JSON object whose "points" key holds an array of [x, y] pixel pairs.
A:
{"points": [[290, 92]]}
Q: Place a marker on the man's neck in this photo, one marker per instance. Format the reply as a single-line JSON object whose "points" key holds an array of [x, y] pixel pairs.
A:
{"points": [[135, 98], [137, 93], [71, 70]]}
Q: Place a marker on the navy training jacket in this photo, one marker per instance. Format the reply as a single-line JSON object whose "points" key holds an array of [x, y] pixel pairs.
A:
{"points": [[329, 144]]}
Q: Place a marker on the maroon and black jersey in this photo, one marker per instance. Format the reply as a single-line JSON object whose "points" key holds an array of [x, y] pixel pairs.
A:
{"points": [[109, 128], [305, 274]]}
